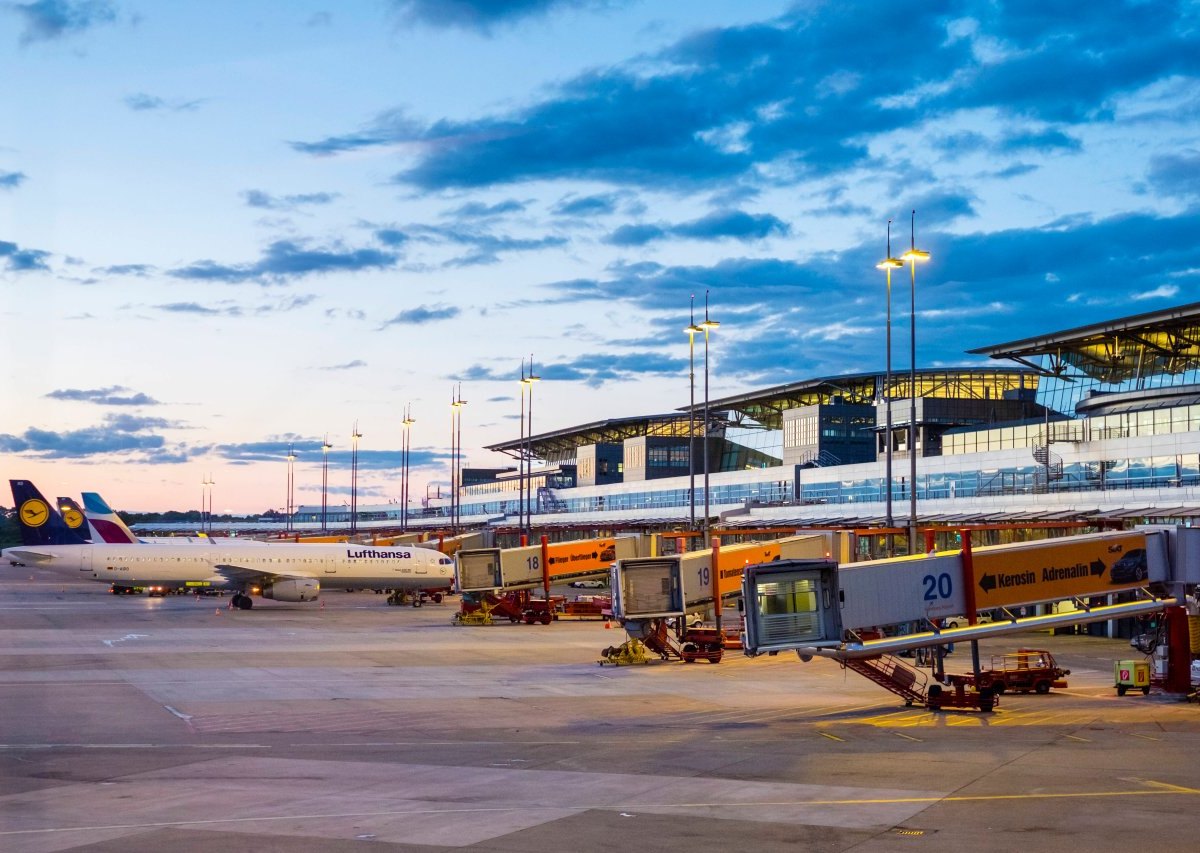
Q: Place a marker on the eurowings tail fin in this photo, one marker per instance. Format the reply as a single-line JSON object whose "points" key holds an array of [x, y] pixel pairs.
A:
{"points": [[108, 525]]}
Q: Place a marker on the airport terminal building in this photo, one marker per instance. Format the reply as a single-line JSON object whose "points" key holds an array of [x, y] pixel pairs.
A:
{"points": [[1099, 424]]}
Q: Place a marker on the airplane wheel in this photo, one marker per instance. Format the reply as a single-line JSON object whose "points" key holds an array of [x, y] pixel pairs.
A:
{"points": [[246, 603]]}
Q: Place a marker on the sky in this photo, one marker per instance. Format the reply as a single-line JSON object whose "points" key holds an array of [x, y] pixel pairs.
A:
{"points": [[231, 228]]}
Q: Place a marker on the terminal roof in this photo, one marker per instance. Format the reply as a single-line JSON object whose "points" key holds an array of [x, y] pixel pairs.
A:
{"points": [[1155, 343], [764, 408]]}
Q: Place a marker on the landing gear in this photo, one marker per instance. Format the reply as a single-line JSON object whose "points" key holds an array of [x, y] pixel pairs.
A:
{"points": [[241, 601]]}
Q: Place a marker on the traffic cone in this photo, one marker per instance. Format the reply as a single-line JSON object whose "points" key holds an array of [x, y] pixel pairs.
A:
{"points": [[217, 611], [607, 625]]}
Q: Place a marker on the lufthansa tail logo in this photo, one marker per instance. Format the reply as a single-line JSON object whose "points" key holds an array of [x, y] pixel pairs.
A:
{"points": [[73, 518], [34, 513]]}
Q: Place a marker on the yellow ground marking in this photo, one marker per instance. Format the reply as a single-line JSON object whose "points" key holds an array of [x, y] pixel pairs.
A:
{"points": [[1167, 786], [906, 737], [1145, 737], [1076, 737], [832, 737]]}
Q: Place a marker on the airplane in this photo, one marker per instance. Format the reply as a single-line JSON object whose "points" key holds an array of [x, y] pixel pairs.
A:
{"points": [[285, 571]]}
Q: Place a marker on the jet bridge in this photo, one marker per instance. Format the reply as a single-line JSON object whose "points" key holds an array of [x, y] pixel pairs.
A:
{"points": [[784, 603], [662, 587], [532, 566]]}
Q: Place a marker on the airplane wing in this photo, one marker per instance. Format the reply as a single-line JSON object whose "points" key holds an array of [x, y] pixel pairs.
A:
{"points": [[29, 555], [244, 574]]}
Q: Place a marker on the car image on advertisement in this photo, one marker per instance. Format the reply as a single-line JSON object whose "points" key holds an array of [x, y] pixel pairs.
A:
{"points": [[588, 584], [1131, 568]]}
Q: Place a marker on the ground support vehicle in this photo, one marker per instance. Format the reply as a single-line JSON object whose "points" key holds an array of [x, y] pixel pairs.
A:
{"points": [[416, 598], [1021, 672], [540, 610], [480, 615], [629, 652], [509, 606], [588, 607], [959, 692], [702, 644]]}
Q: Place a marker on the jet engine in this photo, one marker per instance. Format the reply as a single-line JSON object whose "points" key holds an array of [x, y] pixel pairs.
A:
{"points": [[293, 589]]}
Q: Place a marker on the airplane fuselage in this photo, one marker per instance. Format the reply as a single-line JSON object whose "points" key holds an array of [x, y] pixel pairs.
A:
{"points": [[333, 565]]}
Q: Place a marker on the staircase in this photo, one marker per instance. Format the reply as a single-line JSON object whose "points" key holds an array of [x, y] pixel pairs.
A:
{"points": [[813, 459], [894, 675], [547, 501], [1050, 467]]}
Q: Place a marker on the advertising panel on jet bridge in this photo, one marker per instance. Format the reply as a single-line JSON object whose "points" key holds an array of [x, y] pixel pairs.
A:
{"points": [[902, 589], [696, 566], [522, 567], [1055, 569]]}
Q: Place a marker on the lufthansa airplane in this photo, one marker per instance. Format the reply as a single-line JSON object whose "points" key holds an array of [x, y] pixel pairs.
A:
{"points": [[285, 571]]}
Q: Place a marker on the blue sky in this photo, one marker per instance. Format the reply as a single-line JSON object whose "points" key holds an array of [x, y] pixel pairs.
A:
{"points": [[227, 227]]}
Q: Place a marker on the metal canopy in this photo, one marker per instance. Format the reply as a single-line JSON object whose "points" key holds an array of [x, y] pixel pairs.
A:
{"points": [[1155, 343]]}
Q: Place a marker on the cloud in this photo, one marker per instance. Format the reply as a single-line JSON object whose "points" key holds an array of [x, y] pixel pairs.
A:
{"points": [[202, 310], [1043, 140], [126, 435], [588, 205], [141, 102], [11, 180], [776, 314], [287, 259], [114, 395], [593, 369], [481, 15], [486, 247], [1177, 174], [139, 270], [423, 314], [733, 224], [350, 365], [309, 451], [479, 210], [17, 259], [258, 198], [46, 20], [1163, 291], [681, 120]]}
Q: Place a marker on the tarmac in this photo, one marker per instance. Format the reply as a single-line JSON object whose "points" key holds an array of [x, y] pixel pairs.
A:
{"points": [[175, 724]]}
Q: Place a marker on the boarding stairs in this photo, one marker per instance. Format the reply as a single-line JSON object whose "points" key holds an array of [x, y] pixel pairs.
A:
{"points": [[894, 675], [658, 640]]}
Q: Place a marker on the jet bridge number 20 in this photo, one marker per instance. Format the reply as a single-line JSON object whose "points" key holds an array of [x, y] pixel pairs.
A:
{"points": [[937, 586]]}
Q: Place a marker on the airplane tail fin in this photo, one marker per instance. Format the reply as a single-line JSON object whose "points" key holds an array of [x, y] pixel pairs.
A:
{"points": [[107, 524], [39, 521], [74, 518]]}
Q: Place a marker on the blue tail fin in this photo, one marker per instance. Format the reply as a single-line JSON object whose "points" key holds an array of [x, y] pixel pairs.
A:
{"points": [[73, 515], [39, 520]]}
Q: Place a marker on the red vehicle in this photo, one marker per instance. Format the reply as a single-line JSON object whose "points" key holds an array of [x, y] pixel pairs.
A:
{"points": [[1023, 671]]}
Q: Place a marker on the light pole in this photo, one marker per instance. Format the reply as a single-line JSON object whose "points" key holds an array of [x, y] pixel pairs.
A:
{"points": [[707, 325], [325, 448], [406, 449], [355, 435], [291, 485], [206, 515], [530, 379], [521, 457], [889, 263], [912, 256], [691, 331], [456, 404]]}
